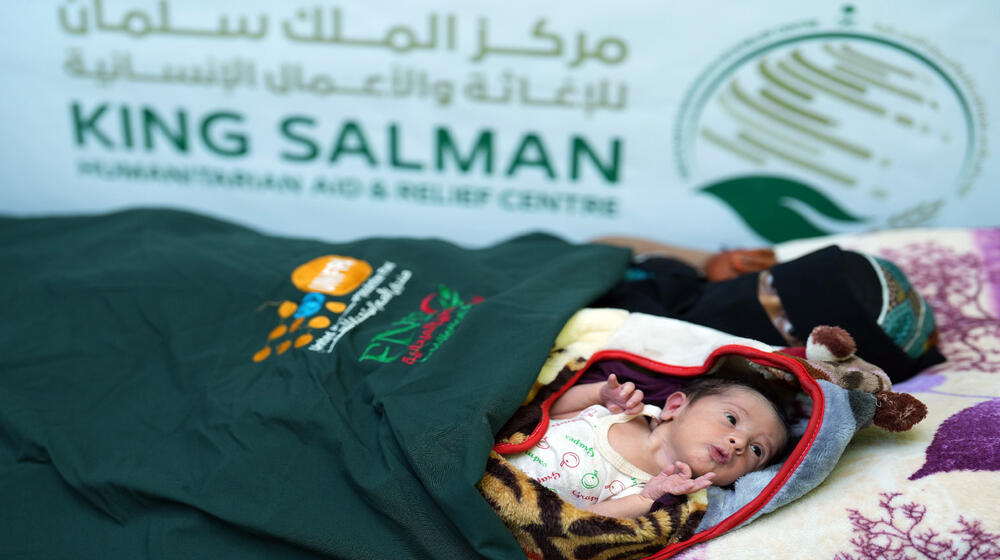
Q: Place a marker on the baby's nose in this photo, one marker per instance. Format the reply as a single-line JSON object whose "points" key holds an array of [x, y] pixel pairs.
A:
{"points": [[737, 443]]}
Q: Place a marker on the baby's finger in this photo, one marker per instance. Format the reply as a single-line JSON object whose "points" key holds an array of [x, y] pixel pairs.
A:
{"points": [[612, 381], [629, 387], [683, 469], [633, 410], [700, 482]]}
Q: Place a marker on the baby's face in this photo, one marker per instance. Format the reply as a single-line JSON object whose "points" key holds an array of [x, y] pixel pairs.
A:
{"points": [[731, 433]]}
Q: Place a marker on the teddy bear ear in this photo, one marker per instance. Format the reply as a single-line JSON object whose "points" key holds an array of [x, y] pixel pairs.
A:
{"points": [[829, 344], [898, 412]]}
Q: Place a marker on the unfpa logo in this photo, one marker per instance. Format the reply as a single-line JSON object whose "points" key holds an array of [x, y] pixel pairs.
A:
{"points": [[322, 279]]}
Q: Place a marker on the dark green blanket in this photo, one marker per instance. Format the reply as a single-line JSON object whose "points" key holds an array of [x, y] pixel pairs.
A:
{"points": [[168, 391]]}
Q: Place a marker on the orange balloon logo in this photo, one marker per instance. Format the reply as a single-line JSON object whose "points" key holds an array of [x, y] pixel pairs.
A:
{"points": [[331, 274]]}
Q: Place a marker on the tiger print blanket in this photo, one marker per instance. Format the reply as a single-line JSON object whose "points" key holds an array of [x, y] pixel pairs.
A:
{"points": [[548, 527]]}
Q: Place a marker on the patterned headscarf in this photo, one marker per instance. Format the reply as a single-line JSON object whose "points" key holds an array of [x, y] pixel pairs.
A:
{"points": [[868, 296]]}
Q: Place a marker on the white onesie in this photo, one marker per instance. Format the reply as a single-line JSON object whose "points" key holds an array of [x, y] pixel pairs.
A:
{"points": [[575, 460]]}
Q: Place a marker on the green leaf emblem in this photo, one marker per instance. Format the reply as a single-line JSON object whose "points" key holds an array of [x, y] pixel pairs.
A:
{"points": [[763, 203]]}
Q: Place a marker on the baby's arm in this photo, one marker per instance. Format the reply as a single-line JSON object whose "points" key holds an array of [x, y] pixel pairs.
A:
{"points": [[695, 258], [675, 479], [723, 265], [617, 397]]}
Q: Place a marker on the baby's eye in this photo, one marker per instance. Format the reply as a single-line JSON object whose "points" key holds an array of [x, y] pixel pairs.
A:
{"points": [[731, 418], [757, 450]]}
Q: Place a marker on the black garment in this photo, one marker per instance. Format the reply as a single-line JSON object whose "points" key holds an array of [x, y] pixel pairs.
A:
{"points": [[670, 288], [827, 287]]}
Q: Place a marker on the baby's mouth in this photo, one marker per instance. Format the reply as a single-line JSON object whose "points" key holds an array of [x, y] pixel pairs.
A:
{"points": [[719, 455]]}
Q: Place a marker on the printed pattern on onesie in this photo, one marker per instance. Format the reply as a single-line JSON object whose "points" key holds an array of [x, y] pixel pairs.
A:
{"points": [[575, 460]]}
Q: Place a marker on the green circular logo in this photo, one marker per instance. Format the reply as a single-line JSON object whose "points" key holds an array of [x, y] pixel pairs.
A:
{"points": [[812, 132]]}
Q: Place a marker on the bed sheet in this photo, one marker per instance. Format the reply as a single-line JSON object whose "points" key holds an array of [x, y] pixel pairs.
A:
{"points": [[932, 492]]}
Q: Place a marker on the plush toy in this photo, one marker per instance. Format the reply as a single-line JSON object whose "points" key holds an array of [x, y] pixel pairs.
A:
{"points": [[829, 355]]}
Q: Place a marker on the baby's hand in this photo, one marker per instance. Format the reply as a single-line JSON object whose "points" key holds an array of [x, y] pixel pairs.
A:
{"points": [[676, 479], [621, 398]]}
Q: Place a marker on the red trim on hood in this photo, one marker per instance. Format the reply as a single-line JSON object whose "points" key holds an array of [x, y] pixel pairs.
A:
{"points": [[795, 458], [543, 424], [812, 389]]}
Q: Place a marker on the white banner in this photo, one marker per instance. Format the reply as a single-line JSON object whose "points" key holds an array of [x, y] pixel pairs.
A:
{"points": [[702, 123]]}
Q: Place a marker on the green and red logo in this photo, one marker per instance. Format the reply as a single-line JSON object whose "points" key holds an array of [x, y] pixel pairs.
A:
{"points": [[416, 336]]}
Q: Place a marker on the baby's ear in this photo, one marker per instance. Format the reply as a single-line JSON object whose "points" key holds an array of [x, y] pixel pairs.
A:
{"points": [[675, 402]]}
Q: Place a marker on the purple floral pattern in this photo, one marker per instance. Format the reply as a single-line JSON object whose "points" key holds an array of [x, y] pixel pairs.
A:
{"points": [[923, 383], [988, 241], [959, 275], [954, 283], [696, 552], [927, 382], [969, 441], [898, 534]]}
